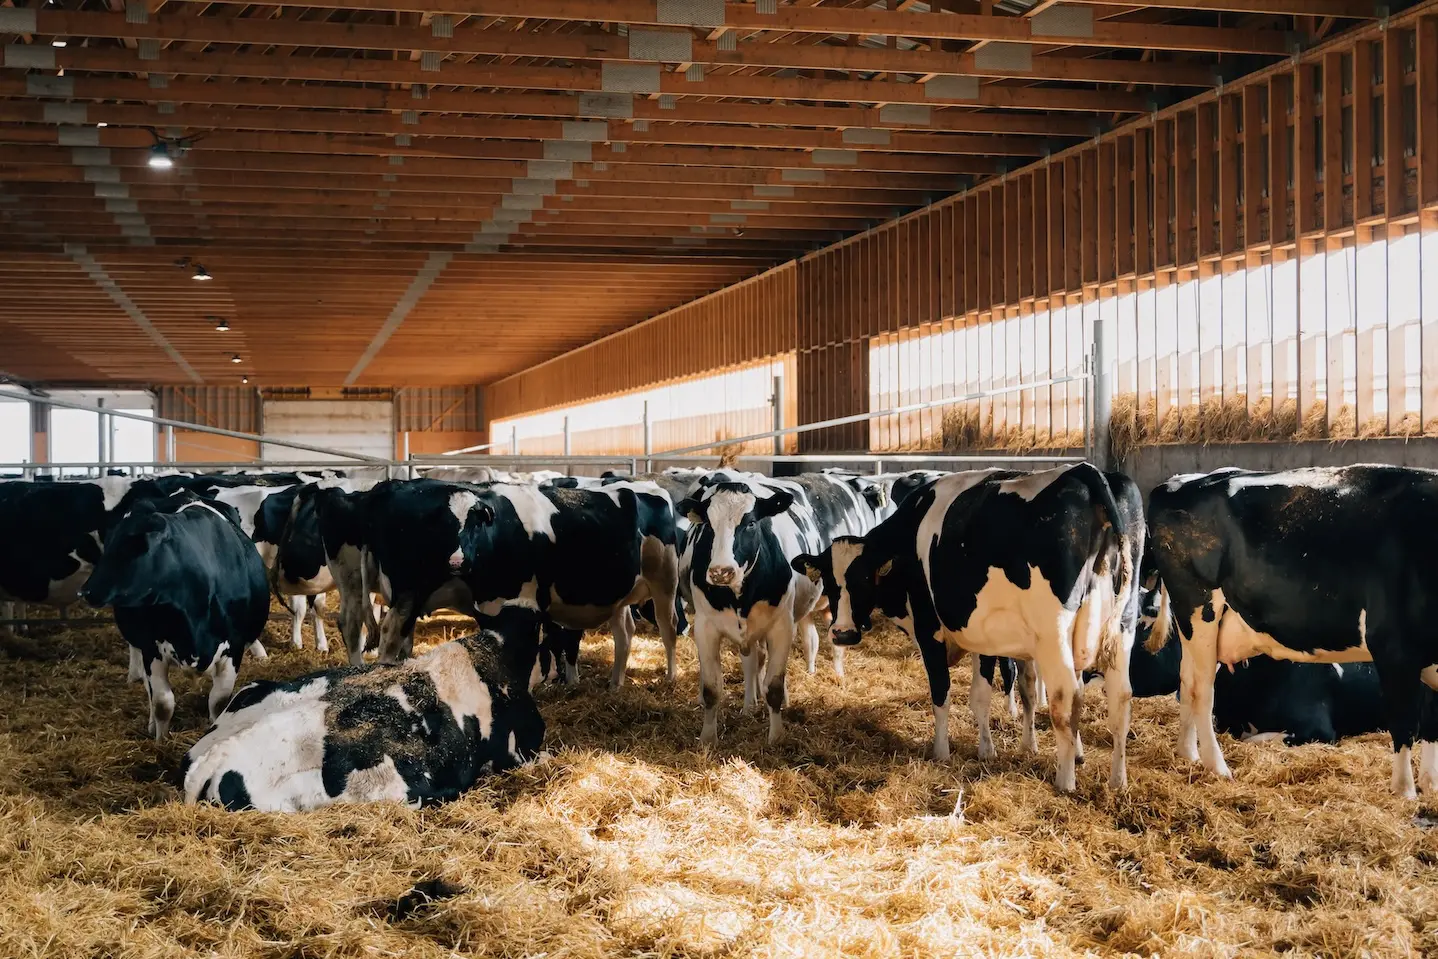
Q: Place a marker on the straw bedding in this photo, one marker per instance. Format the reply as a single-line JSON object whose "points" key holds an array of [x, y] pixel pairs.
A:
{"points": [[629, 840]]}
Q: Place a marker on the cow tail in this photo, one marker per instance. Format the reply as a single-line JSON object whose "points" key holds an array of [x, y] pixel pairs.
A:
{"points": [[1117, 537], [1158, 636], [371, 625]]}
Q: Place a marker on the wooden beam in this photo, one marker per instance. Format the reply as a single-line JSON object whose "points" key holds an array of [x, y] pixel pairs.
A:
{"points": [[1395, 178], [597, 45], [1363, 130], [860, 21], [1347, 9], [1163, 192], [1228, 198], [583, 79], [1206, 178], [1333, 152], [1307, 216], [1145, 221], [1255, 162], [1280, 89], [1427, 136]]}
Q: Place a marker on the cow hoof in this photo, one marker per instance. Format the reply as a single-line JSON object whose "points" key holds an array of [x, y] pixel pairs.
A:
{"points": [[709, 739], [987, 751], [939, 752], [1118, 780]]}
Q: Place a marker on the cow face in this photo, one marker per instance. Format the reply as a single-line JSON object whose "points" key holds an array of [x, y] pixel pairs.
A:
{"points": [[119, 577], [732, 516], [855, 584]]}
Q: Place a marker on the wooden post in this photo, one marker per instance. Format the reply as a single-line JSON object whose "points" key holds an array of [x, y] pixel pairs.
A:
{"points": [[1306, 214], [1333, 154], [1206, 165], [1255, 162], [1144, 224], [1163, 247], [1363, 128], [1395, 176], [1229, 194], [1280, 89]]}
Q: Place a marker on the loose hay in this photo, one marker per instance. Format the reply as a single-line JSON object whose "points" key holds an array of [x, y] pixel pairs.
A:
{"points": [[631, 841]]}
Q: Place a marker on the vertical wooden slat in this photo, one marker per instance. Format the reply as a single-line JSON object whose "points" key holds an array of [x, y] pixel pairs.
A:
{"points": [[1363, 130], [1144, 224], [1057, 206], [1073, 225], [1012, 266], [1024, 238], [1305, 151], [1092, 224], [984, 231], [1427, 111], [973, 259], [1040, 231], [1395, 177], [1255, 160], [946, 262], [1228, 194], [1332, 141], [1186, 251], [1279, 88], [1162, 192], [1206, 178], [1106, 232], [1125, 175]]}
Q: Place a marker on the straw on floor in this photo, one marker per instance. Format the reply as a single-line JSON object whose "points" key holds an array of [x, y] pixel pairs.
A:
{"points": [[631, 841]]}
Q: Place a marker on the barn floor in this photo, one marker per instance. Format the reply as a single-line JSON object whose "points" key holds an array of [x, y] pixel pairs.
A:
{"points": [[631, 841]]}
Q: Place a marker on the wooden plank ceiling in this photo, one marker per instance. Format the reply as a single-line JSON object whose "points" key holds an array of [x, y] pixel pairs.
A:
{"points": [[417, 192]]}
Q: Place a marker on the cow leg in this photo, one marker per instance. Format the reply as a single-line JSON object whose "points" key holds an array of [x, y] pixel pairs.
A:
{"points": [[1028, 697], [297, 621], [162, 697], [317, 615], [753, 667], [1199, 663], [222, 685], [257, 650], [811, 645], [936, 664], [780, 639], [981, 693], [137, 667], [396, 632], [663, 590], [1119, 688], [838, 659], [1402, 696], [570, 654], [1055, 663], [622, 626], [1428, 767], [711, 680], [1042, 691]]}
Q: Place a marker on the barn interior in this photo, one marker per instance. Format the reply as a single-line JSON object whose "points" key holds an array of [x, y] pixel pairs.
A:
{"points": [[790, 234]]}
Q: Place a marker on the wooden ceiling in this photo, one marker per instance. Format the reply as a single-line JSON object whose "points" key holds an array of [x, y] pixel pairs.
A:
{"points": [[417, 192]]}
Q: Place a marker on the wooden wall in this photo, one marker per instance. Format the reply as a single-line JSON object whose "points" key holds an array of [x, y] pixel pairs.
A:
{"points": [[1337, 150]]}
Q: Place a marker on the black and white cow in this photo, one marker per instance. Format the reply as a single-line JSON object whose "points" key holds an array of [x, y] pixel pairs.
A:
{"points": [[417, 733], [746, 532], [1264, 698], [1322, 565], [1029, 565], [51, 537], [188, 589]]}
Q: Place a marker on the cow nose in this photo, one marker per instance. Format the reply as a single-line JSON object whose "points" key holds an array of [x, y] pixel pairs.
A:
{"points": [[845, 637], [722, 575]]}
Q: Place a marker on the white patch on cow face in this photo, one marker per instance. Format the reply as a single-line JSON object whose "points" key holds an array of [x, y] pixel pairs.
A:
{"points": [[458, 686], [842, 556], [1315, 478], [725, 510], [1031, 485], [379, 782], [533, 508], [460, 504], [112, 489]]}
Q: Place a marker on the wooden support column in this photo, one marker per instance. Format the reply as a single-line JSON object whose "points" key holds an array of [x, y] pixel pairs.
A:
{"points": [[1206, 178], [1144, 225], [1229, 194], [1395, 177], [1126, 174], [1041, 230], [1307, 216], [1333, 142], [1092, 224], [1186, 252], [1363, 130], [1255, 163], [1073, 225], [1010, 227], [1106, 221], [1024, 235], [1427, 60], [1280, 89], [1163, 247]]}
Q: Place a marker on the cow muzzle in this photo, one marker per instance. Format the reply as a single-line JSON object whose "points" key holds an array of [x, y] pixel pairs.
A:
{"points": [[845, 637], [723, 575]]}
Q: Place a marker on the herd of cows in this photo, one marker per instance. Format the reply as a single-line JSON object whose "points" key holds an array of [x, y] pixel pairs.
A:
{"points": [[1258, 598]]}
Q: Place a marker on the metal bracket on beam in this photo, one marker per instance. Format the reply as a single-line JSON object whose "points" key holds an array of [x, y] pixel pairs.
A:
{"points": [[594, 131], [947, 87], [396, 160], [550, 169], [18, 20], [148, 49], [629, 78], [617, 105], [441, 26], [1064, 20], [409, 117], [729, 41], [665, 46], [667, 101], [38, 86], [429, 61], [71, 136], [28, 56], [773, 190], [166, 107], [137, 11], [870, 137], [641, 126], [690, 13], [826, 157], [66, 113], [619, 146], [570, 150], [915, 114], [695, 73], [1001, 55], [159, 81], [801, 176], [402, 139]]}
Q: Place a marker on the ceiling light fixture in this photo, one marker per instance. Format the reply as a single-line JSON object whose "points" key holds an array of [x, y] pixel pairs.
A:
{"points": [[102, 124], [203, 274], [222, 325], [160, 158], [236, 359], [244, 379], [57, 43]]}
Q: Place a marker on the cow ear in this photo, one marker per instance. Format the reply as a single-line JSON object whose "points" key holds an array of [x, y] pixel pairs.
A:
{"points": [[808, 565], [876, 496], [689, 506], [483, 514], [884, 570], [774, 505]]}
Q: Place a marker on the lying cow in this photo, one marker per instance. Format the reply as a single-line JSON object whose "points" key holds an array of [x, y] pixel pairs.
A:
{"points": [[745, 534], [1312, 565], [1031, 565], [420, 732], [1297, 702], [188, 589]]}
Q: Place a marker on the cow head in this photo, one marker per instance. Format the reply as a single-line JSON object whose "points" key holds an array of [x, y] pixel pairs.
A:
{"points": [[120, 578], [856, 582], [731, 516]]}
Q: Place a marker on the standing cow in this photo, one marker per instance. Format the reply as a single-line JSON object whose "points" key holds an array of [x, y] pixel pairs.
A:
{"points": [[188, 588], [1030, 565], [1325, 565], [746, 533]]}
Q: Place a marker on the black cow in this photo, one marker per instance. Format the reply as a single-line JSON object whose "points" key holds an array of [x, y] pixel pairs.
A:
{"points": [[1299, 703], [746, 532], [1313, 565], [342, 518], [1031, 565], [51, 537], [188, 588], [421, 732]]}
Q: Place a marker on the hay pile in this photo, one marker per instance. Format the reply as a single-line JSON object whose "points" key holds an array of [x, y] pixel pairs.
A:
{"points": [[631, 841]]}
